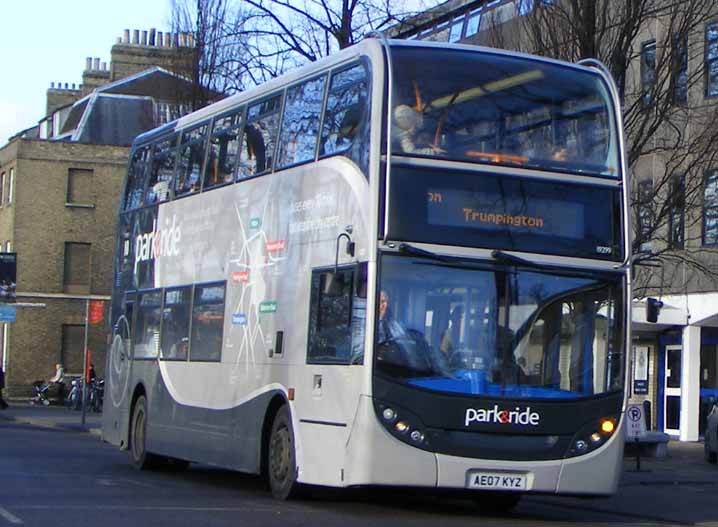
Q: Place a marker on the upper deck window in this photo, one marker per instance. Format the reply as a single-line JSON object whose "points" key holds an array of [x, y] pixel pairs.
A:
{"points": [[139, 164], [191, 156], [345, 127], [223, 150], [499, 109], [161, 172], [300, 125], [260, 136]]}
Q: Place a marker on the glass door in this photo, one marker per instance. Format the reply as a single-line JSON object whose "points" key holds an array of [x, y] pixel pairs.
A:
{"points": [[672, 390]]}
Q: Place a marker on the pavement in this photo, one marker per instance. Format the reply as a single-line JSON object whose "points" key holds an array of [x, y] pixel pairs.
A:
{"points": [[57, 417]]}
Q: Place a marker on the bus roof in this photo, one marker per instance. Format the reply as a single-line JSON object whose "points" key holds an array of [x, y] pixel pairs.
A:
{"points": [[307, 70]]}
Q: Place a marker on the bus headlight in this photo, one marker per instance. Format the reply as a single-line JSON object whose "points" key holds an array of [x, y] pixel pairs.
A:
{"points": [[388, 414]]}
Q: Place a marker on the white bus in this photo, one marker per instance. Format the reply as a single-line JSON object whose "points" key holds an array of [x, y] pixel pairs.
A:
{"points": [[403, 265]]}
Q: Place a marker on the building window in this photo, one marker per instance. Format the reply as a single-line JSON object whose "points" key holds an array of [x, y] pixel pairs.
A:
{"points": [[645, 215], [473, 22], [10, 187], [73, 342], [711, 60], [2, 187], [676, 215], [648, 71], [455, 31], [79, 187], [525, 6], [77, 268], [680, 69], [710, 208]]}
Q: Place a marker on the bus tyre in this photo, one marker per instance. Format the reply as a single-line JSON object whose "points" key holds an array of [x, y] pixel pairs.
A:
{"points": [[497, 502], [281, 461], [141, 459]]}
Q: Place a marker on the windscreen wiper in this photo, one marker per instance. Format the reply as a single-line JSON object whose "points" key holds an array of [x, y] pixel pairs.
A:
{"points": [[415, 251], [510, 259]]}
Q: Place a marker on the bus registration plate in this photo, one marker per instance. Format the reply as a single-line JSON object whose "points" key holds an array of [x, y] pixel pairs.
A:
{"points": [[476, 479]]}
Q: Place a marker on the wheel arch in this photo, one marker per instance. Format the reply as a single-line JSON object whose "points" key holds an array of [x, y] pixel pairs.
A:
{"points": [[136, 394], [272, 408]]}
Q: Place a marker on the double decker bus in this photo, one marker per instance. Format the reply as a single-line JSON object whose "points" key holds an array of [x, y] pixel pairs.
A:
{"points": [[403, 265]]}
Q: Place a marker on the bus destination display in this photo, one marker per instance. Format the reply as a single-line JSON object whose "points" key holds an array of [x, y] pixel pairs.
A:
{"points": [[491, 211]]}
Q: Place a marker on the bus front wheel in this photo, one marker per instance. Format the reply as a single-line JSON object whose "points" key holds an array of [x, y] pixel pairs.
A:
{"points": [[281, 462], [141, 459]]}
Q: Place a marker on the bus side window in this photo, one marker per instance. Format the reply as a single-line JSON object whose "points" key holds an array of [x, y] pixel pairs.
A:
{"points": [[161, 171], [207, 322], [191, 156], [223, 150], [174, 342], [146, 337], [136, 175], [345, 118], [260, 136], [337, 316], [300, 124]]}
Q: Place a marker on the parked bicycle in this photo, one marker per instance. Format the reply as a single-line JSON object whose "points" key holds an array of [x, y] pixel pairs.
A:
{"points": [[93, 397]]}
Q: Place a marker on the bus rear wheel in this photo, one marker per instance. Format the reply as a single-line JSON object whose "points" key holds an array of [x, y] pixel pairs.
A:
{"points": [[497, 502], [281, 460], [141, 459]]}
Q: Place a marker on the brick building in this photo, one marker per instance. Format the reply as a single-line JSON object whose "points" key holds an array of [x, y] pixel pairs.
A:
{"points": [[60, 184]]}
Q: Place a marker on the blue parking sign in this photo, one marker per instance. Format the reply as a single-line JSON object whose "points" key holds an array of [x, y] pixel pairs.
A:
{"points": [[7, 313]]}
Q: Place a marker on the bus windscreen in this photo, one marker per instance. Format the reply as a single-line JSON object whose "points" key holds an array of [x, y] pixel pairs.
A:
{"points": [[492, 108]]}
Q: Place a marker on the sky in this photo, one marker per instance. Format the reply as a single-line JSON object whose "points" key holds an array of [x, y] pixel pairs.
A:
{"points": [[44, 41]]}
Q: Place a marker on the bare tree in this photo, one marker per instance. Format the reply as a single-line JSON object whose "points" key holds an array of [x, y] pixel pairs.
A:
{"points": [[244, 43], [217, 47], [655, 51]]}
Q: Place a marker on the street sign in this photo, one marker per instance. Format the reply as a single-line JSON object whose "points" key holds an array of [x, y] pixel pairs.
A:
{"points": [[635, 422], [97, 308], [7, 313], [640, 370]]}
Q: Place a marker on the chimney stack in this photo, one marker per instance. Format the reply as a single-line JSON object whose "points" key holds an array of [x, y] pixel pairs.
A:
{"points": [[168, 40], [126, 38], [135, 36], [152, 36], [96, 64], [144, 37], [88, 63], [52, 85], [160, 39]]}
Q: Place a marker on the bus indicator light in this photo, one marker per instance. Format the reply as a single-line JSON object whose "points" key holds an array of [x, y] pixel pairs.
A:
{"points": [[608, 426], [402, 427]]}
